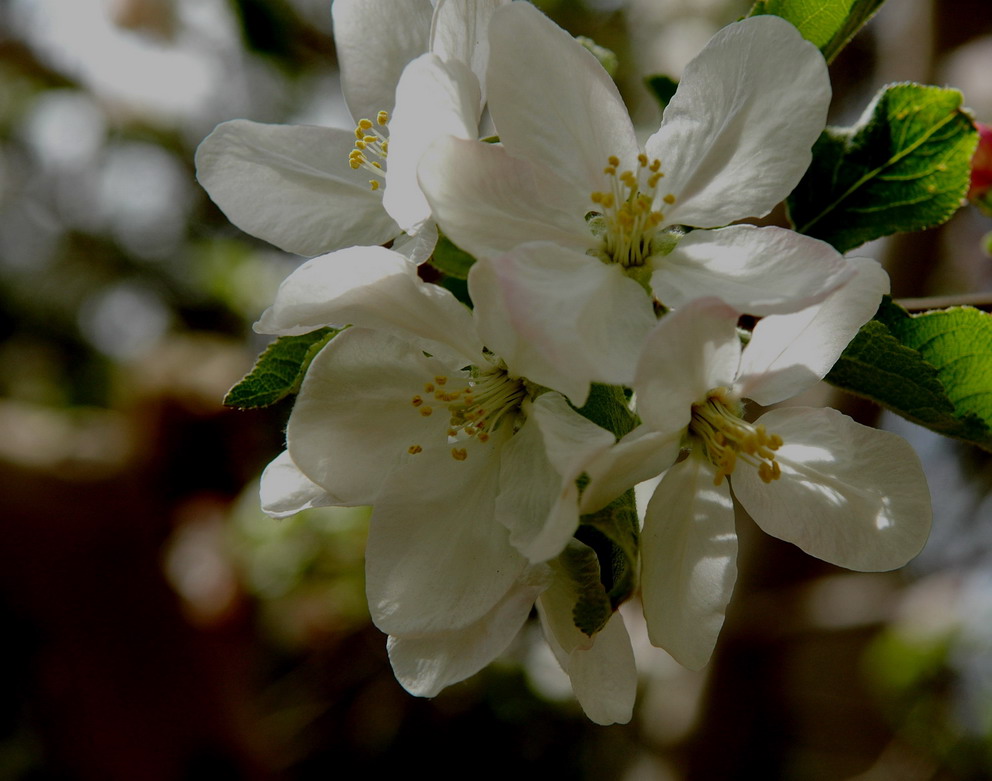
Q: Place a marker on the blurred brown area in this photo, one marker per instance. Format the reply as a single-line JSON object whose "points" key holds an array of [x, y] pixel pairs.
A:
{"points": [[159, 627]]}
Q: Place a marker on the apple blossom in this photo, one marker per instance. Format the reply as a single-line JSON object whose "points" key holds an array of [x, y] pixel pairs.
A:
{"points": [[309, 189], [843, 492], [567, 214]]}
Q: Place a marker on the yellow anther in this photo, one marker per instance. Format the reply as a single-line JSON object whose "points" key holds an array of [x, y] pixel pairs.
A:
{"points": [[355, 163], [608, 201], [382, 117], [441, 379], [653, 180], [642, 160], [360, 144], [429, 387], [358, 132], [368, 140], [417, 401], [452, 432], [426, 411], [364, 124], [385, 147], [374, 184], [459, 453], [414, 449], [669, 199], [613, 160], [610, 170], [655, 165], [655, 219], [483, 436], [597, 197], [376, 165]]}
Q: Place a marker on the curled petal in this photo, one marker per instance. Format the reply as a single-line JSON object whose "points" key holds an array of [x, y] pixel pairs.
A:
{"points": [[789, 353], [292, 186], [848, 494], [425, 664], [688, 561], [737, 135], [758, 271], [284, 490]]}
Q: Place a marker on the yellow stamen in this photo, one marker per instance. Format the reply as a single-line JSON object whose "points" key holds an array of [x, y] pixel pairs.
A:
{"points": [[726, 438]]}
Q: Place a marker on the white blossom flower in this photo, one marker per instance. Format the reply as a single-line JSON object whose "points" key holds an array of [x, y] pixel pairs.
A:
{"points": [[570, 219], [410, 73], [843, 492], [471, 473]]}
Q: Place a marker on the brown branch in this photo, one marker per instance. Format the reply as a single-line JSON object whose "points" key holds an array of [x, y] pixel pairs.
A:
{"points": [[981, 301]]}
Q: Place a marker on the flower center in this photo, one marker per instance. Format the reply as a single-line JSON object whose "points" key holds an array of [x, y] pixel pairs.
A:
{"points": [[627, 220], [725, 437], [371, 142], [490, 399]]}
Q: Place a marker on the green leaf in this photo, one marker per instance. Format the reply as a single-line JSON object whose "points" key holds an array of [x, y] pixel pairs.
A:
{"points": [[279, 370], [450, 259], [904, 167], [662, 87], [934, 369], [613, 533], [829, 24]]}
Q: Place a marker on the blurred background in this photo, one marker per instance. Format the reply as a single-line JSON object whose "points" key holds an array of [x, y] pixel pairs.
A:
{"points": [[158, 626]]}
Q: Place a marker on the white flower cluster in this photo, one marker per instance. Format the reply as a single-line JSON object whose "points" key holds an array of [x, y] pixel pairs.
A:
{"points": [[597, 261]]}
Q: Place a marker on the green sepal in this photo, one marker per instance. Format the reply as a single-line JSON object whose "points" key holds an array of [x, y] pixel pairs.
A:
{"points": [[828, 24], [450, 259], [592, 607], [662, 87], [279, 370], [934, 369], [905, 166]]}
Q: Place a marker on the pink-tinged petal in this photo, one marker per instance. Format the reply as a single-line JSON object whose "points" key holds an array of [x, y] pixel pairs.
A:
{"points": [[689, 353], [354, 419], [851, 495], [375, 39], [488, 202], [433, 99], [425, 664], [789, 353], [601, 668], [436, 558], [560, 318], [539, 499], [371, 287], [639, 456], [758, 271], [284, 490], [552, 101], [736, 137], [688, 561], [292, 186], [460, 31]]}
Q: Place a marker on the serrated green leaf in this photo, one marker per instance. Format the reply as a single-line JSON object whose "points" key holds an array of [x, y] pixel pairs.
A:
{"points": [[934, 368], [279, 370], [904, 167], [662, 87], [450, 259], [829, 24]]}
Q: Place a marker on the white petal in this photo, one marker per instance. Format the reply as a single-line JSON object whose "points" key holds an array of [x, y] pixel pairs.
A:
{"points": [[736, 137], [425, 664], [692, 351], [488, 202], [848, 494], [552, 101], [370, 287], [688, 561], [284, 490], [436, 558], [789, 353], [420, 246], [433, 99], [538, 499], [460, 31], [560, 318], [758, 271], [354, 419], [639, 456], [375, 39], [601, 668], [292, 186]]}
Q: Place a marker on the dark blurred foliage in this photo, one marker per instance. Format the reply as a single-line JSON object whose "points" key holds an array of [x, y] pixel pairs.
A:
{"points": [[158, 626]]}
